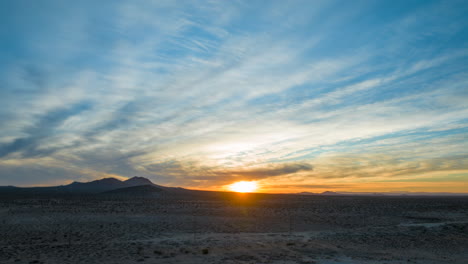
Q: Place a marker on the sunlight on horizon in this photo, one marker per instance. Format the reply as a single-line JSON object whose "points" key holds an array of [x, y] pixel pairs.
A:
{"points": [[243, 186]]}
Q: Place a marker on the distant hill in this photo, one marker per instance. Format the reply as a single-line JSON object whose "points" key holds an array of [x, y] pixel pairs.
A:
{"points": [[97, 186], [140, 190], [402, 193], [138, 181], [307, 193], [329, 193], [106, 185]]}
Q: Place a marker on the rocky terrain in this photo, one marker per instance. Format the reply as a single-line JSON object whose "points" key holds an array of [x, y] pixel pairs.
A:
{"points": [[148, 224]]}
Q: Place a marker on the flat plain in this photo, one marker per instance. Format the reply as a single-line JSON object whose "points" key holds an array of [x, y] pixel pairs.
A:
{"points": [[216, 227]]}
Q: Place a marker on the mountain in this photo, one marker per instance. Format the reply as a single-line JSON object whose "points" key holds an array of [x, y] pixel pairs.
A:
{"points": [[96, 186], [330, 193], [137, 181], [308, 193], [105, 185], [140, 190]]}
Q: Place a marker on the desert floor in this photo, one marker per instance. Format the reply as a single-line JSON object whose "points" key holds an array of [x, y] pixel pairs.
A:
{"points": [[233, 228]]}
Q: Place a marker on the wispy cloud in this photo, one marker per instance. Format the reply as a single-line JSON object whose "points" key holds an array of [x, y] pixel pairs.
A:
{"points": [[202, 94]]}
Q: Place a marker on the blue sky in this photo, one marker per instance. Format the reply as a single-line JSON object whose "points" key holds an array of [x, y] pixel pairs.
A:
{"points": [[298, 95]]}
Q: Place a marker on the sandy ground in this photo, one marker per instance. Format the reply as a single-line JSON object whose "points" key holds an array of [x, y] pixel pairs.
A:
{"points": [[234, 229]]}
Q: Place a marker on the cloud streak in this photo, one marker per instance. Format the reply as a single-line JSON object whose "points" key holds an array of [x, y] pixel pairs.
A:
{"points": [[202, 95]]}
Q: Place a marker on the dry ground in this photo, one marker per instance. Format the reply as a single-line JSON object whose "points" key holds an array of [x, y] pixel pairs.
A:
{"points": [[233, 228]]}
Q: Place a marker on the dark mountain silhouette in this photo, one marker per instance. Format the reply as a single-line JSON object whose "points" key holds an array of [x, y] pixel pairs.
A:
{"points": [[97, 186], [308, 193], [137, 181], [140, 190], [106, 185], [330, 193]]}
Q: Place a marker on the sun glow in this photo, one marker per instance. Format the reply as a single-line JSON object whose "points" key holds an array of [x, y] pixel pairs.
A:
{"points": [[243, 186]]}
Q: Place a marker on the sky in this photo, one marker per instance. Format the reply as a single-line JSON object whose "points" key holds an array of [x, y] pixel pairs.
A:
{"points": [[297, 95]]}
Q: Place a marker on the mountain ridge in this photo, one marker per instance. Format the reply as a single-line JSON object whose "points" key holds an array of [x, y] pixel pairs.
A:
{"points": [[92, 187], [110, 184]]}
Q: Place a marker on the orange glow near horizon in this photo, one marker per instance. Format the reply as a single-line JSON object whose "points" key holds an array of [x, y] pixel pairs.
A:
{"points": [[243, 186], [267, 187]]}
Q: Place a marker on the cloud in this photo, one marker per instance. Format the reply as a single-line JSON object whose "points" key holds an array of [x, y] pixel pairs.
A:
{"points": [[193, 173], [270, 171], [34, 175], [30, 145], [204, 94], [382, 166], [296, 187]]}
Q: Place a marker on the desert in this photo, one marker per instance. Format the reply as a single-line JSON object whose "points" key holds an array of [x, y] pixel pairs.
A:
{"points": [[142, 225]]}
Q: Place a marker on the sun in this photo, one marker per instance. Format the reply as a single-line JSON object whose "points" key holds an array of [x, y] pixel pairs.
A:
{"points": [[243, 186]]}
